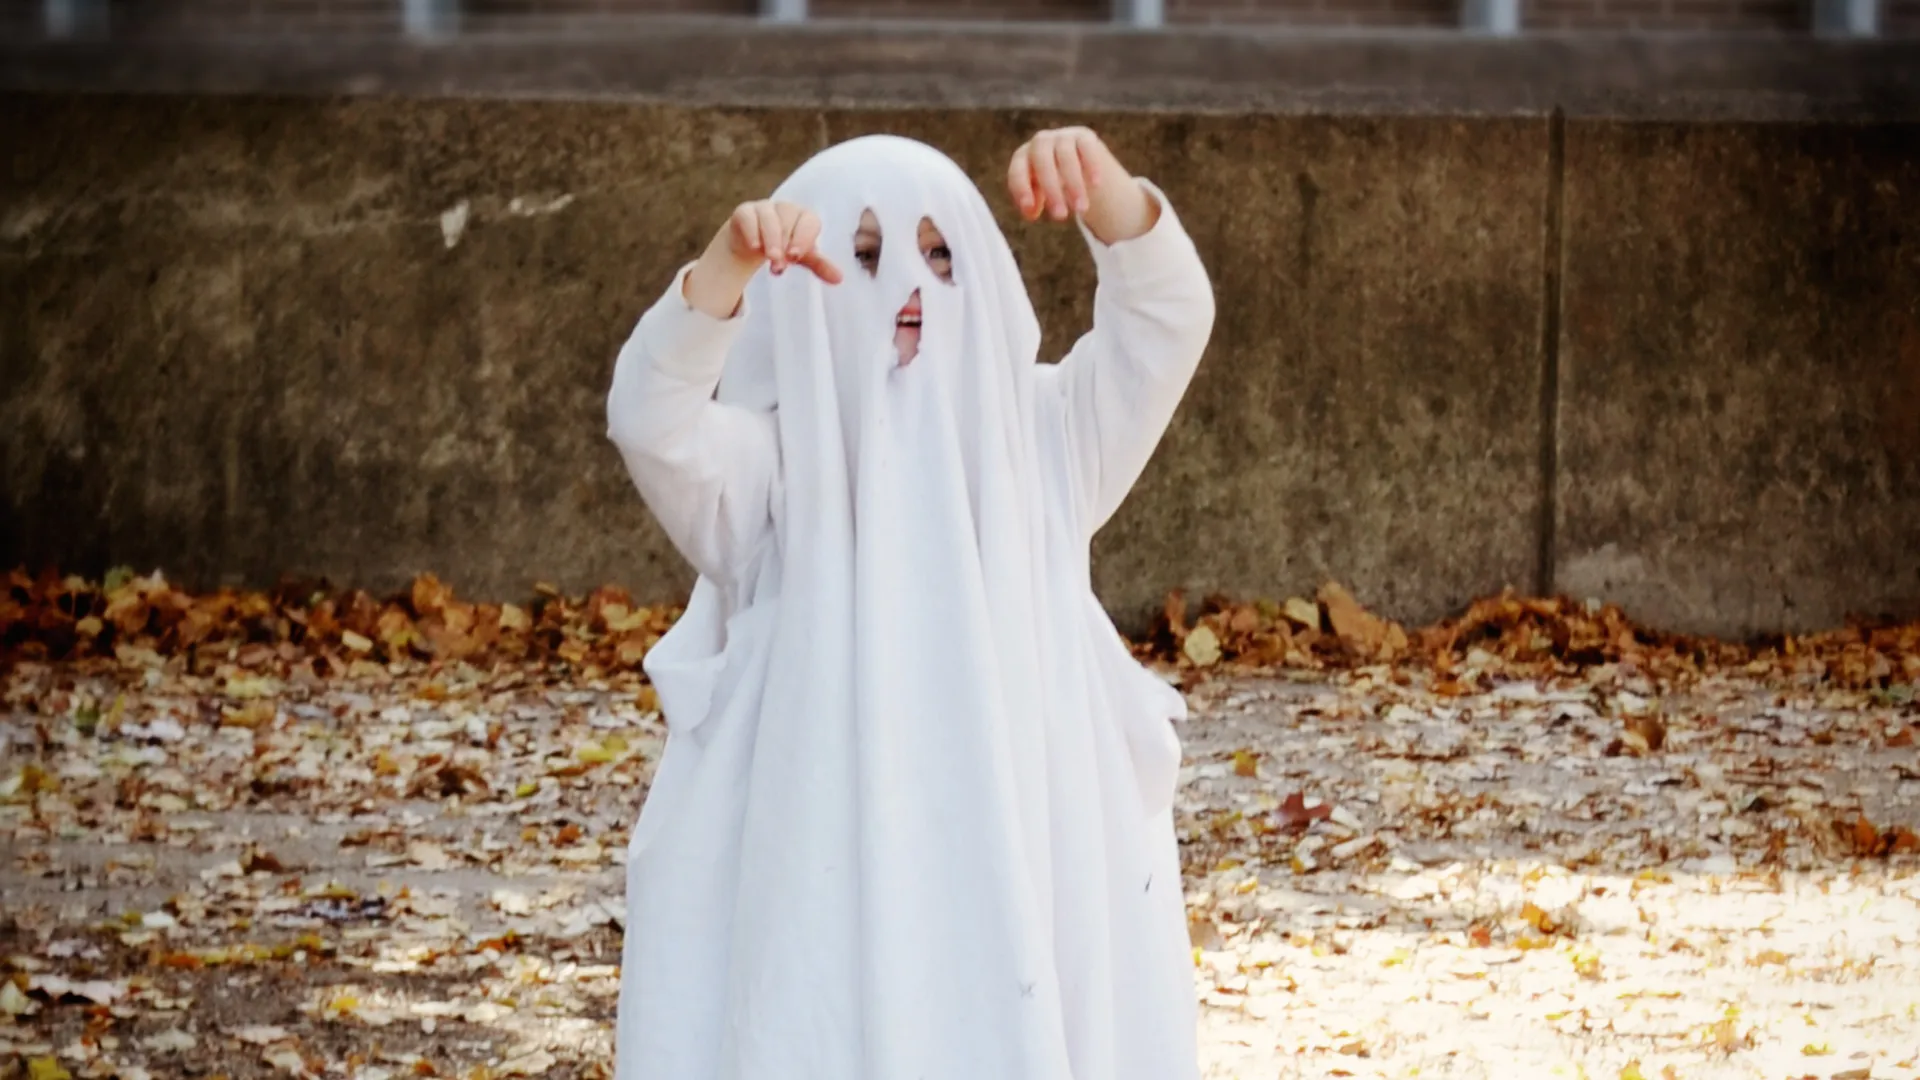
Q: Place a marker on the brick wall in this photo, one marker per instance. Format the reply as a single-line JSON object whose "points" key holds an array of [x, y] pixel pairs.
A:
{"points": [[488, 9], [1900, 18], [1047, 10], [191, 17], [1318, 13], [1726, 16]]}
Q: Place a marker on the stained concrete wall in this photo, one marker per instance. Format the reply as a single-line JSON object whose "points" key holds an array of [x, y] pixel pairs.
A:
{"points": [[1670, 364], [1739, 372]]}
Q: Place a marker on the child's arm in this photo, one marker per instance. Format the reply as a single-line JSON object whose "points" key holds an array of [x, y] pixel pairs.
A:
{"points": [[706, 470], [1152, 314]]}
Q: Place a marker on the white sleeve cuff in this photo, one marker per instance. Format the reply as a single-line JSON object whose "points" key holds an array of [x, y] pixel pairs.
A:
{"points": [[1142, 255], [684, 342]]}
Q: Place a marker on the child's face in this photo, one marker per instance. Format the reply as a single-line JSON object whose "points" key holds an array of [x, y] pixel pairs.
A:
{"points": [[933, 248]]}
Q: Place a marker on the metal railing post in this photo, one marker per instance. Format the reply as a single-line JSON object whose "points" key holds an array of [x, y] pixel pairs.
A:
{"points": [[1846, 18], [66, 20], [1500, 18], [430, 18], [1145, 14]]}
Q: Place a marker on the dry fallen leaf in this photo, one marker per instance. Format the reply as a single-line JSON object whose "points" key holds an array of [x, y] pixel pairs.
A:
{"points": [[1368, 635], [1304, 613], [428, 856], [535, 1063], [1202, 647], [1294, 813], [15, 1003]]}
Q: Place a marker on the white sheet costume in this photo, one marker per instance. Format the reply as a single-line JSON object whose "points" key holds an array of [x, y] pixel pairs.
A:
{"points": [[913, 820]]}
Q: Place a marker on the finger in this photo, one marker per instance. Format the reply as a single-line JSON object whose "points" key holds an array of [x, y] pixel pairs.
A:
{"points": [[1073, 184], [773, 238], [1093, 158], [822, 267], [1020, 182], [746, 229], [1046, 172], [803, 234]]}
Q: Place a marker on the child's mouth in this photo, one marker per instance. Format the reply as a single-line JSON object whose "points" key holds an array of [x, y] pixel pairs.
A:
{"points": [[906, 330]]}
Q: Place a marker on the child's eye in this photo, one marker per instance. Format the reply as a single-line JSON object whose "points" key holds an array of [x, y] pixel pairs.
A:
{"points": [[868, 258], [940, 260]]}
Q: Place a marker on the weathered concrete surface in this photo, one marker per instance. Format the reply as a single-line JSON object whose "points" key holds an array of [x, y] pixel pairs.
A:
{"points": [[1740, 373], [1368, 409], [243, 339], [366, 338]]}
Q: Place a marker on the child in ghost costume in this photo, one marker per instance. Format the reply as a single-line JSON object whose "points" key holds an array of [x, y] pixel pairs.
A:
{"points": [[913, 820]]}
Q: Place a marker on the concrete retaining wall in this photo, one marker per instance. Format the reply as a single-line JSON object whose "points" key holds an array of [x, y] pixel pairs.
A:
{"points": [[1674, 364]]}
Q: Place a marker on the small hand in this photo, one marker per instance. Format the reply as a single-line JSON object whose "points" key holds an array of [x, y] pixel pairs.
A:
{"points": [[776, 234], [779, 234], [1070, 171]]}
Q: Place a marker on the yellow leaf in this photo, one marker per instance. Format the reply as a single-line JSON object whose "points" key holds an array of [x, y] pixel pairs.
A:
{"points": [[12, 1001], [355, 641], [47, 1068], [1817, 1049], [1537, 917], [1304, 612], [32, 778], [251, 686], [1202, 647], [525, 789], [596, 754], [1397, 958], [1245, 763], [626, 621], [255, 714], [1586, 964], [1632, 1071]]}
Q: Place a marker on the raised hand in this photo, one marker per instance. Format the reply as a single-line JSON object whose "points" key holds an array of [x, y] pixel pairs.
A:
{"points": [[776, 234], [1070, 171]]}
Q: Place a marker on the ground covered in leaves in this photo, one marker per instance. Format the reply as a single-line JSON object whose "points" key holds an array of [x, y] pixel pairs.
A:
{"points": [[306, 833]]}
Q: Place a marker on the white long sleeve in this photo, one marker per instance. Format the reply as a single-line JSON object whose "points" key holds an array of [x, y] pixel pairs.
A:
{"points": [[1152, 316], [706, 470]]}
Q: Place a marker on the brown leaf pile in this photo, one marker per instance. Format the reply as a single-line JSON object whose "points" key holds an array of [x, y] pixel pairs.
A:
{"points": [[1516, 636], [327, 632]]}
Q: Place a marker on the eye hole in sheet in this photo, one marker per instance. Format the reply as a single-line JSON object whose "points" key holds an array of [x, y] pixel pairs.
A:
{"points": [[933, 247], [866, 243]]}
